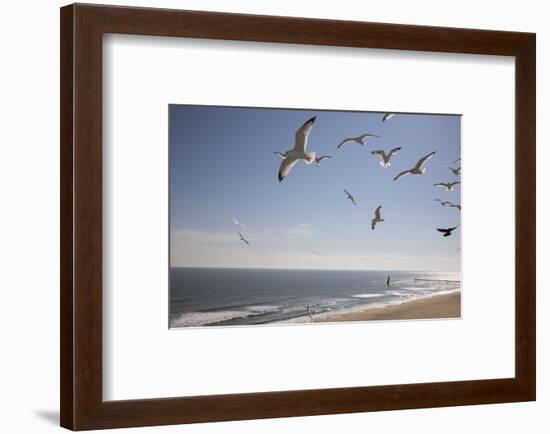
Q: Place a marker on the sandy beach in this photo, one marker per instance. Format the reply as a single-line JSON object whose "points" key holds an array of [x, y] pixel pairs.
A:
{"points": [[438, 306]]}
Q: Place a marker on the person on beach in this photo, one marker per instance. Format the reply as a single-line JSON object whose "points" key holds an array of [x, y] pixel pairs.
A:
{"points": [[309, 313], [388, 282]]}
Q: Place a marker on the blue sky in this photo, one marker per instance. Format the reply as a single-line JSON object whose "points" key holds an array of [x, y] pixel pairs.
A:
{"points": [[222, 166]]}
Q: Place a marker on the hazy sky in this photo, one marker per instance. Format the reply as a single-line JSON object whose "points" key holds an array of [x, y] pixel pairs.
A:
{"points": [[222, 166]]}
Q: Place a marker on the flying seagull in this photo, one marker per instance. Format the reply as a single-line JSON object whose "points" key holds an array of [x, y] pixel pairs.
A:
{"points": [[291, 157], [316, 253], [388, 116], [244, 239], [237, 222], [447, 185], [321, 158], [447, 232], [448, 204], [350, 196], [388, 282], [419, 169], [360, 139], [456, 171], [377, 218], [385, 158]]}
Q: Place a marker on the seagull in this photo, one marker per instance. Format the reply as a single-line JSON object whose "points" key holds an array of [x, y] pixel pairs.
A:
{"points": [[447, 232], [350, 197], [360, 139], [388, 282], [447, 185], [385, 158], [316, 253], [456, 171], [237, 222], [448, 204], [377, 218], [388, 116], [244, 239], [419, 169], [321, 158], [291, 157]]}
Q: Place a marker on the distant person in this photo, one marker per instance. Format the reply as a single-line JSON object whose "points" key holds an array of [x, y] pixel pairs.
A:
{"points": [[388, 282], [309, 313]]}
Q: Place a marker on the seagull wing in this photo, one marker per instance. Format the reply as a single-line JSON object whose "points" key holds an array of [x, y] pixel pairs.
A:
{"points": [[322, 157], [387, 117], [376, 218], [302, 135], [424, 160], [364, 136], [442, 230], [452, 184], [405, 172], [452, 229], [441, 184], [377, 213], [244, 239], [395, 151], [287, 164], [349, 139]]}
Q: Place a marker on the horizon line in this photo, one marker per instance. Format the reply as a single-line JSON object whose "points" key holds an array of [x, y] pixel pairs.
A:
{"points": [[314, 269]]}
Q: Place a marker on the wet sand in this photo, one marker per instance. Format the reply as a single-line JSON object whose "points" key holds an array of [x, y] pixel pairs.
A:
{"points": [[438, 306]]}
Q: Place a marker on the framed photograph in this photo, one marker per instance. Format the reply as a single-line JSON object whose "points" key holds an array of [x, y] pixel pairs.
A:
{"points": [[272, 217], [313, 247]]}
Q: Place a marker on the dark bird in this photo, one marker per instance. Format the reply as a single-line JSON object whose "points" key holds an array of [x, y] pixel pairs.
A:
{"points": [[456, 171], [244, 239], [447, 185], [446, 232], [350, 196], [449, 204]]}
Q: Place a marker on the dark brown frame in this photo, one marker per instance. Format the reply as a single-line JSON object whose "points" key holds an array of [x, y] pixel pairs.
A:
{"points": [[82, 27]]}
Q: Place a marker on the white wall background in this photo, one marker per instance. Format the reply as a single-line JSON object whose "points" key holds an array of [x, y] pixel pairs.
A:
{"points": [[29, 250]]}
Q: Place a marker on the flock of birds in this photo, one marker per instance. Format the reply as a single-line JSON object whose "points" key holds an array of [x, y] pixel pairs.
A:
{"points": [[298, 152]]}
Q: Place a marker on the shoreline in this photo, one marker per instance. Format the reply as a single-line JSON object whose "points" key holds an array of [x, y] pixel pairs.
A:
{"points": [[434, 307]]}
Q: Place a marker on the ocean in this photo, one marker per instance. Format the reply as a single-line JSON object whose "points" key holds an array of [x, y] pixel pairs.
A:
{"points": [[230, 296]]}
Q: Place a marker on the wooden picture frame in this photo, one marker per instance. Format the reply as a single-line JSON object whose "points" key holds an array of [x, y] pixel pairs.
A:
{"points": [[82, 28]]}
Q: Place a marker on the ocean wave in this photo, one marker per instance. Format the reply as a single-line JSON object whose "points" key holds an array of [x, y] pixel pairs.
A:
{"points": [[198, 319], [368, 295]]}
